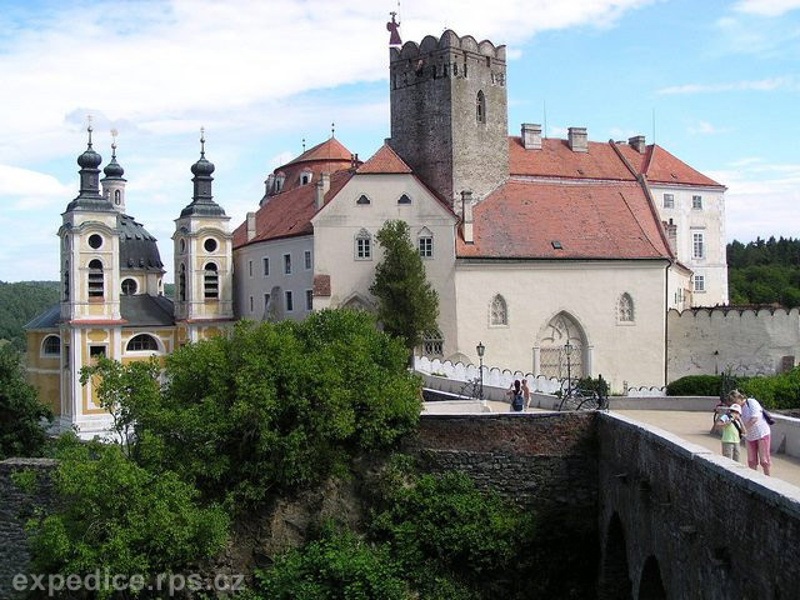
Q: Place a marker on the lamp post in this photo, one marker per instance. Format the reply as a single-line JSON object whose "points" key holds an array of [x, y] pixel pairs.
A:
{"points": [[481, 349], [568, 348]]}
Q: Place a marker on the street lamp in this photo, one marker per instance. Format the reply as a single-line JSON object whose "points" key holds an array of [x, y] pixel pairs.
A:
{"points": [[481, 349], [568, 348]]}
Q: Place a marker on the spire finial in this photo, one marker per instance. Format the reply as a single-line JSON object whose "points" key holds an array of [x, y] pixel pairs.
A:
{"points": [[114, 133], [304, 145], [392, 27], [333, 130], [89, 128], [202, 142]]}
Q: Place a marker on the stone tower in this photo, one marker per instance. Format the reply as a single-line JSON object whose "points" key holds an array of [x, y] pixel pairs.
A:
{"points": [[449, 112]]}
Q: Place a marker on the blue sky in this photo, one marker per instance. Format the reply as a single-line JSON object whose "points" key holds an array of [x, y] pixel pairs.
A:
{"points": [[716, 83]]}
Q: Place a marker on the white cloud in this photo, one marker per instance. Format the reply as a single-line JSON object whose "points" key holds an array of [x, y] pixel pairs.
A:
{"points": [[761, 85], [706, 128], [766, 8]]}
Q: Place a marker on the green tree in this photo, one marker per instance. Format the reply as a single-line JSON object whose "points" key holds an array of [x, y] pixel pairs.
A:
{"points": [[408, 306], [279, 406], [19, 303], [124, 391], [22, 416], [115, 516]]}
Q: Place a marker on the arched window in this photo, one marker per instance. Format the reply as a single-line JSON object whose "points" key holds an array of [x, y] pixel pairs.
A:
{"points": [[142, 342], [66, 281], [211, 282], [182, 284], [363, 245], [499, 314], [96, 284], [425, 243], [625, 309], [117, 197], [480, 108], [433, 343], [51, 346]]}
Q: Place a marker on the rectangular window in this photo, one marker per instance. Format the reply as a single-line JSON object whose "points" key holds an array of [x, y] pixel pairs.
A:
{"points": [[266, 302], [265, 262], [251, 304], [699, 283], [97, 351], [426, 247], [697, 202], [698, 245], [250, 267], [287, 264], [669, 201], [363, 248], [307, 256], [289, 302], [309, 299]]}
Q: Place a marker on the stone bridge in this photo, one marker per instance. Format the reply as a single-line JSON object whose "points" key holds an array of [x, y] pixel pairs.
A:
{"points": [[670, 519]]}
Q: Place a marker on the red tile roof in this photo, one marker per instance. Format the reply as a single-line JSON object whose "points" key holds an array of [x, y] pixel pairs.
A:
{"points": [[384, 161], [659, 166], [289, 213], [589, 219], [328, 157], [557, 160]]}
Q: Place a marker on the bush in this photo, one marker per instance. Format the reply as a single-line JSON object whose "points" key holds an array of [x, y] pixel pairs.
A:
{"points": [[113, 515], [696, 385], [777, 391]]}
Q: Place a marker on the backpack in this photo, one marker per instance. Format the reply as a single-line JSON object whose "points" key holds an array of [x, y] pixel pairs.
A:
{"points": [[518, 402], [768, 417]]}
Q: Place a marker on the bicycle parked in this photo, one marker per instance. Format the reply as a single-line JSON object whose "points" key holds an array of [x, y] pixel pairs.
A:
{"points": [[576, 398]]}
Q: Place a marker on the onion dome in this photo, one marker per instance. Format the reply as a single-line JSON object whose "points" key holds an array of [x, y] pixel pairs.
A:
{"points": [[202, 202], [89, 197]]}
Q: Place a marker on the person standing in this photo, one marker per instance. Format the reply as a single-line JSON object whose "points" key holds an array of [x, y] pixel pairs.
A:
{"points": [[526, 394], [731, 426], [758, 433], [517, 401]]}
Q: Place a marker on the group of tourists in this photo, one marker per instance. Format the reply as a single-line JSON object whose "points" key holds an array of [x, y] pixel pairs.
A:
{"points": [[741, 418]]}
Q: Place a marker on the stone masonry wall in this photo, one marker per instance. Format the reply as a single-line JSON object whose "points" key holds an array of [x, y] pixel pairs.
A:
{"points": [[717, 530], [17, 505]]}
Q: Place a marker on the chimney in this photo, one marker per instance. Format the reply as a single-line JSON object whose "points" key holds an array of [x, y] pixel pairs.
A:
{"points": [[466, 216], [578, 140], [323, 185], [531, 136], [672, 234], [637, 143], [251, 225]]}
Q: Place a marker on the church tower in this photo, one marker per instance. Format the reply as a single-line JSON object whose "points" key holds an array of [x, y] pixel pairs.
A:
{"points": [[449, 113], [203, 249]]}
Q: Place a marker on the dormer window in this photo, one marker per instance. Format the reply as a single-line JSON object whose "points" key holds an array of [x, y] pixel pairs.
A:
{"points": [[363, 200], [305, 177], [279, 179], [404, 199]]}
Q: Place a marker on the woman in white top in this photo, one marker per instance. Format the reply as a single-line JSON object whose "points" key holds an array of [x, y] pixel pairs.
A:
{"points": [[758, 434]]}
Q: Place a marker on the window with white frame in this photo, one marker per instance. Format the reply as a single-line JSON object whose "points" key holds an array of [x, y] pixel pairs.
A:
{"points": [[51, 346], [307, 259], [287, 264], [142, 342], [363, 245], [289, 301], [425, 242], [499, 311], [625, 308], [669, 201], [697, 202], [699, 283], [698, 245]]}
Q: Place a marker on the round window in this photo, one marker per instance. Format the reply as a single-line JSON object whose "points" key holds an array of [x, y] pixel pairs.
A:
{"points": [[95, 241], [129, 287], [210, 245]]}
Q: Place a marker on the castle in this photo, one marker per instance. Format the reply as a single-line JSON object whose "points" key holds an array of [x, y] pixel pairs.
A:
{"points": [[546, 251]]}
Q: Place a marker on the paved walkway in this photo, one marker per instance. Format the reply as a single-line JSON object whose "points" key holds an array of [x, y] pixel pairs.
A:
{"points": [[691, 426]]}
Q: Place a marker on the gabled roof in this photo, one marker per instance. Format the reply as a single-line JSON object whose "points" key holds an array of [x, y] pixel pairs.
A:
{"points": [[557, 160], [587, 219], [384, 161], [661, 167], [288, 214]]}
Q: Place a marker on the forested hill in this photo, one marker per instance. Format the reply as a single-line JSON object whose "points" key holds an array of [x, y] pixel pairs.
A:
{"points": [[765, 272], [19, 303]]}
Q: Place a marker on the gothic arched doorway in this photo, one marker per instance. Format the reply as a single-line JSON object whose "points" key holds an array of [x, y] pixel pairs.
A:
{"points": [[562, 348]]}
